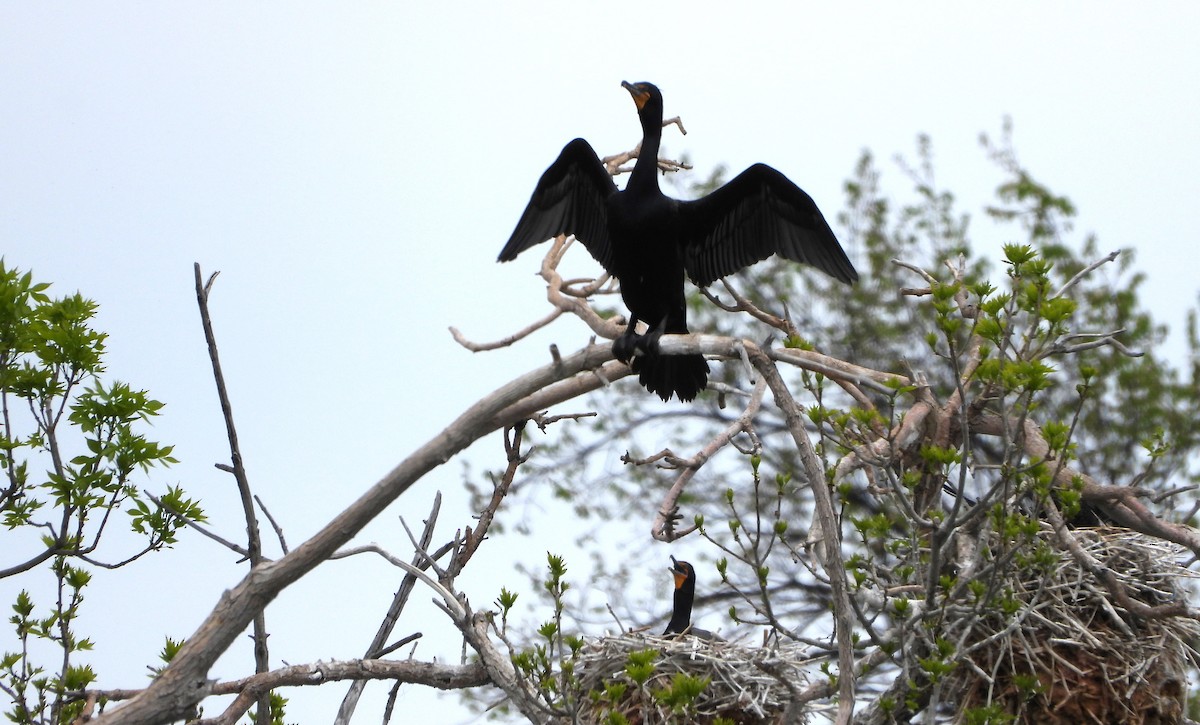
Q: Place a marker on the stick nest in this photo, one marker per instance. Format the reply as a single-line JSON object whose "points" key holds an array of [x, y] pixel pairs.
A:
{"points": [[745, 684], [1071, 655]]}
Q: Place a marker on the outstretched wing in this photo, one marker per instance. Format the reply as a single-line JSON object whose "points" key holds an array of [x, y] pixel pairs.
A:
{"points": [[757, 214], [569, 199]]}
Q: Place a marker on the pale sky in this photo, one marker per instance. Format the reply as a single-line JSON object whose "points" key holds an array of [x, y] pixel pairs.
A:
{"points": [[353, 169]]}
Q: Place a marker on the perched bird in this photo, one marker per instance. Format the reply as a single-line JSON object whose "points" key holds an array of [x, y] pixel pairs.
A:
{"points": [[647, 240], [685, 594]]}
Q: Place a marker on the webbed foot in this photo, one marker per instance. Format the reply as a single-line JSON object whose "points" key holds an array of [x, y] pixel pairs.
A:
{"points": [[625, 346]]}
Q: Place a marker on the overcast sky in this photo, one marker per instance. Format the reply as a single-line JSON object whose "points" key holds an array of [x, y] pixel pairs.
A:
{"points": [[352, 169]]}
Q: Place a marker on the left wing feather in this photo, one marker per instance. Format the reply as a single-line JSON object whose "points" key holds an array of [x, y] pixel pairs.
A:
{"points": [[757, 214], [569, 199]]}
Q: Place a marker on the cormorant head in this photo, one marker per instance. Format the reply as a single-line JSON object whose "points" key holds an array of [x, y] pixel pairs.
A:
{"points": [[683, 572], [644, 94]]}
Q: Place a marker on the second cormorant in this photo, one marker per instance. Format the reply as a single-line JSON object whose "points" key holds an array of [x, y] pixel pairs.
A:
{"points": [[685, 595]]}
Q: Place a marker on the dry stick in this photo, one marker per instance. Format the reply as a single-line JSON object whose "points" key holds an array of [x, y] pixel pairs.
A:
{"points": [[253, 542], [506, 341], [274, 524], [441, 676], [544, 421], [350, 701], [1106, 576], [1086, 271], [745, 305], [407, 639], [175, 692], [474, 627], [474, 537], [788, 328], [830, 554], [663, 527]]}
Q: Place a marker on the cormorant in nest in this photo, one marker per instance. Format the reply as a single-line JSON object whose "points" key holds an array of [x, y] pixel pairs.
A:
{"points": [[685, 594]]}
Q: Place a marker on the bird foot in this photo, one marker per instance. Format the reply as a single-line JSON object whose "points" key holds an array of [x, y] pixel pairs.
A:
{"points": [[648, 343], [626, 346]]}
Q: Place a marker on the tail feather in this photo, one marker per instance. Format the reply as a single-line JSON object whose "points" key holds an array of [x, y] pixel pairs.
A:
{"points": [[682, 375]]}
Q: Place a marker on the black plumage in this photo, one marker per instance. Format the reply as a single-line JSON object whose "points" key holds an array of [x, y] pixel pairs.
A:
{"points": [[685, 595], [648, 240]]}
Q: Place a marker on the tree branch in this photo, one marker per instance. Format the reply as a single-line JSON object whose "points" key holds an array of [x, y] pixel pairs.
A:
{"points": [[253, 540], [374, 649], [830, 549], [183, 683]]}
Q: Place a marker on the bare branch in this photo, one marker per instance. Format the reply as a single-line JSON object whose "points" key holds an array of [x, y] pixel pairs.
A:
{"points": [[274, 524], [249, 689], [1061, 346], [474, 537], [1086, 271], [914, 268], [253, 540], [544, 421], [376, 648], [830, 553], [429, 674], [184, 682], [506, 341], [663, 528]]}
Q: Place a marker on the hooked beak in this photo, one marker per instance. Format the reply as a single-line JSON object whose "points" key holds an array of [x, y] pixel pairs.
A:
{"points": [[639, 97], [680, 573]]}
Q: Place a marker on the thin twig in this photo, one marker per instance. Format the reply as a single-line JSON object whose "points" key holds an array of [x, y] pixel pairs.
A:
{"points": [[253, 540], [274, 524], [376, 648], [1086, 271], [505, 341]]}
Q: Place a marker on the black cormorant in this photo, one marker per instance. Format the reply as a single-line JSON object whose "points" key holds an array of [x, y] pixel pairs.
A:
{"points": [[648, 240], [685, 594]]}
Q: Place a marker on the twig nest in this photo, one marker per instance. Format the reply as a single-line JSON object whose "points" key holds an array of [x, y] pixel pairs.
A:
{"points": [[1068, 654], [645, 678]]}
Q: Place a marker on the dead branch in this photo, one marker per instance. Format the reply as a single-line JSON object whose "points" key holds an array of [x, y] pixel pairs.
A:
{"points": [[376, 648], [253, 538], [1065, 345], [183, 683], [543, 420], [505, 341], [916, 269], [1086, 271], [743, 304], [829, 553], [474, 537], [274, 524], [474, 627], [430, 674], [663, 528]]}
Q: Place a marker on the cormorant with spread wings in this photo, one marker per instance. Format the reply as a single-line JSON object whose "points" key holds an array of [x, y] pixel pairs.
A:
{"points": [[647, 240]]}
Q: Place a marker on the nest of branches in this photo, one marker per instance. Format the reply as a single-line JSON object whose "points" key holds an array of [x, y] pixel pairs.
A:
{"points": [[743, 684], [1068, 654]]}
